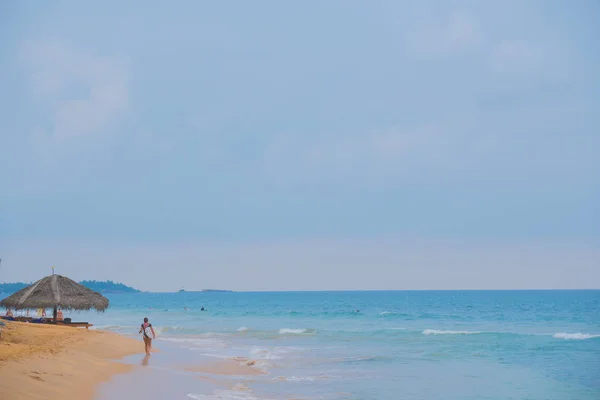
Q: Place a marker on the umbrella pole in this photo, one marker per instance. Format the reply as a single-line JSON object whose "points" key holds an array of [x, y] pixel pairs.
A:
{"points": [[55, 313]]}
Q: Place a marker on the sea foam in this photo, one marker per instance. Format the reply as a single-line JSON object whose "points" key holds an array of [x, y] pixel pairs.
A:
{"points": [[263, 353], [225, 394], [287, 331], [440, 332], [574, 336], [115, 328]]}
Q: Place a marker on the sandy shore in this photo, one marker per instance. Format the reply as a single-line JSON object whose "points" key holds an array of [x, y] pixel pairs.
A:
{"points": [[51, 362]]}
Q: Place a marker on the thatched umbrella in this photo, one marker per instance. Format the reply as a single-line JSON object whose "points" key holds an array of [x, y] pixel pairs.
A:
{"points": [[56, 291]]}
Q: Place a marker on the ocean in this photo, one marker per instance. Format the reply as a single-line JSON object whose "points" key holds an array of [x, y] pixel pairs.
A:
{"points": [[428, 345]]}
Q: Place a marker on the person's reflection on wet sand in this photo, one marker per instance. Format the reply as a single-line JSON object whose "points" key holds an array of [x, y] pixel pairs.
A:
{"points": [[145, 360]]}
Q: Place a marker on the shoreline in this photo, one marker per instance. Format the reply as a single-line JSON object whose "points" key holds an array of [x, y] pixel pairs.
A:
{"points": [[49, 362], [177, 373], [54, 362]]}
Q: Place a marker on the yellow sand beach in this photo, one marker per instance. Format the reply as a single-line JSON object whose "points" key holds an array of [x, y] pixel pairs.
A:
{"points": [[52, 362]]}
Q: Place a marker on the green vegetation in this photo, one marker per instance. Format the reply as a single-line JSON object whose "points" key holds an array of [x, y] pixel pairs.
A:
{"points": [[108, 287], [97, 286]]}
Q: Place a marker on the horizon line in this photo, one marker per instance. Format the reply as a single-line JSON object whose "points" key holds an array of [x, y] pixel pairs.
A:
{"points": [[374, 290]]}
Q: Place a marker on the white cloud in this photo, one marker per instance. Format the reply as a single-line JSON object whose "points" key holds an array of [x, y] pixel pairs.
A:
{"points": [[454, 34], [86, 94], [378, 154], [385, 146], [442, 35], [516, 56], [461, 30]]}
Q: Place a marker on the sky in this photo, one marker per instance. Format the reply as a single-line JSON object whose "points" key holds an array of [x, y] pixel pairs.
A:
{"points": [[272, 145]]}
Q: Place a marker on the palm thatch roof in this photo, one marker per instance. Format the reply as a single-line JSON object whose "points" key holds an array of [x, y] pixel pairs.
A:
{"points": [[56, 291]]}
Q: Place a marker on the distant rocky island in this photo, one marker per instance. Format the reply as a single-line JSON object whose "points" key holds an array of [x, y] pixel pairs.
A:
{"points": [[97, 286]]}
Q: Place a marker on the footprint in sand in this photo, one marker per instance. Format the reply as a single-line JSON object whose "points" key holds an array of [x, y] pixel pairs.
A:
{"points": [[35, 375]]}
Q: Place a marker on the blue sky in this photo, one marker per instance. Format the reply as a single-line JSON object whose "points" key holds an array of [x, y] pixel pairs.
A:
{"points": [[236, 144]]}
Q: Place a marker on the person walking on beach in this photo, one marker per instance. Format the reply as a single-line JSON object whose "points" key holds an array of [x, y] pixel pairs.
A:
{"points": [[146, 330]]}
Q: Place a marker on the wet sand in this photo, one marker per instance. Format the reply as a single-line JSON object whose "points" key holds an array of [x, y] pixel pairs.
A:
{"points": [[177, 373], [53, 362]]}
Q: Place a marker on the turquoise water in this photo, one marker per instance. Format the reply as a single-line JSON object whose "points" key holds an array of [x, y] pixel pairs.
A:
{"points": [[380, 345]]}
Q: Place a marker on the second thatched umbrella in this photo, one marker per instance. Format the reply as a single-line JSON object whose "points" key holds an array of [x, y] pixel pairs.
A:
{"points": [[56, 291]]}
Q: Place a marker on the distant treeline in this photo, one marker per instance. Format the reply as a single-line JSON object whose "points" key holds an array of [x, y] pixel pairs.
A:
{"points": [[97, 286], [108, 287]]}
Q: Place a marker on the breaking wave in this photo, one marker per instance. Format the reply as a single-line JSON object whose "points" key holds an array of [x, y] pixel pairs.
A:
{"points": [[441, 332], [288, 331], [574, 336]]}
